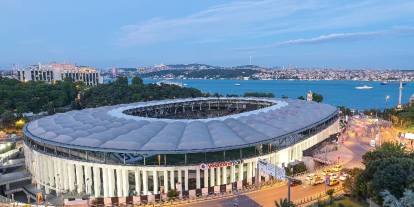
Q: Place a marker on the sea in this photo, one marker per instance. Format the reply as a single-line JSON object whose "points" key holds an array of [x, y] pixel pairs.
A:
{"points": [[334, 92]]}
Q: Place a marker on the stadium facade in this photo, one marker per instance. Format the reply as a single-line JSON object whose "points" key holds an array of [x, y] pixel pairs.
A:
{"points": [[192, 145]]}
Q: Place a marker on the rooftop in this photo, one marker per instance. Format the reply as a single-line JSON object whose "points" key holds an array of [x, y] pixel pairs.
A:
{"points": [[112, 128]]}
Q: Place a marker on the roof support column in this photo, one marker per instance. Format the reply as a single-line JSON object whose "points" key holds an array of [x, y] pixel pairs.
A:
{"points": [[180, 177], [96, 181], [249, 172], [64, 174], [137, 182], [111, 184], [165, 178], [71, 176], [49, 169], [155, 181], [232, 174], [212, 180], [79, 178], [125, 182], [88, 180], [119, 183], [218, 175], [105, 180], [145, 182], [186, 179], [241, 171], [198, 178], [205, 178], [172, 179], [224, 175], [56, 175]]}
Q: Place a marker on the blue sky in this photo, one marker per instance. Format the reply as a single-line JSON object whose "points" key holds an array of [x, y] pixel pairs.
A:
{"points": [[343, 33]]}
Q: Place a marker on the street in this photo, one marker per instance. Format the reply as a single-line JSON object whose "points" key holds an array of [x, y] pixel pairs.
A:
{"points": [[350, 151]]}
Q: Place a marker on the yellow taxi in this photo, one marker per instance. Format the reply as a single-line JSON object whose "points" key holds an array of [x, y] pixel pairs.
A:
{"points": [[333, 181], [336, 168]]}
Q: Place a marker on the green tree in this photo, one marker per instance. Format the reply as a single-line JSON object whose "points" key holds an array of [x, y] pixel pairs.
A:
{"points": [[51, 108], [391, 201], [389, 167], [392, 174], [259, 94], [354, 186], [21, 97], [301, 98], [284, 203], [7, 118], [387, 150], [317, 97], [345, 111], [137, 81], [172, 194], [330, 193]]}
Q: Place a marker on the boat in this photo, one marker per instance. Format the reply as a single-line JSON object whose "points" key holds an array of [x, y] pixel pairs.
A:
{"points": [[237, 84], [391, 82], [364, 87]]}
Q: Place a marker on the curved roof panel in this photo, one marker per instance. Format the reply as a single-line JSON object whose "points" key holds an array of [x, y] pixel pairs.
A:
{"points": [[108, 128]]}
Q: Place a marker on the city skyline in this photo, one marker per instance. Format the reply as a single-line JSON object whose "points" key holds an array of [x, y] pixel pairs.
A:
{"points": [[351, 34]]}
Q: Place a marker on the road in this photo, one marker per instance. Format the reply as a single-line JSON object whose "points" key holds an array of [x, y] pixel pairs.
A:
{"points": [[265, 197], [353, 147]]}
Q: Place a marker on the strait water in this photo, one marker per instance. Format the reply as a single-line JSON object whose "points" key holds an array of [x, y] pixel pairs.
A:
{"points": [[335, 92]]}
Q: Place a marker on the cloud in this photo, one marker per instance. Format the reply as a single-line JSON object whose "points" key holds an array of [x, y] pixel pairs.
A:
{"points": [[248, 20], [218, 22], [330, 37], [334, 37]]}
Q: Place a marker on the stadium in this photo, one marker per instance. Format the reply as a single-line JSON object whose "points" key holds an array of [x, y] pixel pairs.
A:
{"points": [[196, 145]]}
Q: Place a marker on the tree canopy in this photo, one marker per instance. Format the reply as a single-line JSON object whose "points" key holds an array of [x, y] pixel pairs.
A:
{"points": [[317, 97], [388, 168], [259, 94], [20, 97], [120, 91]]}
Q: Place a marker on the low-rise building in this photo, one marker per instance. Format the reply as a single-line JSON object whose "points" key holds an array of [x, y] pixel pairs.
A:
{"points": [[57, 72]]}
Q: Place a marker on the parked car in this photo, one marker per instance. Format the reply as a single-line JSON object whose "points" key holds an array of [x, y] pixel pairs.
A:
{"points": [[295, 182], [333, 182], [336, 168], [318, 180], [343, 176], [333, 176], [310, 177]]}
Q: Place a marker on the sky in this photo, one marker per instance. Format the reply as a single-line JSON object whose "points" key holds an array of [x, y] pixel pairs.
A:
{"points": [[304, 33]]}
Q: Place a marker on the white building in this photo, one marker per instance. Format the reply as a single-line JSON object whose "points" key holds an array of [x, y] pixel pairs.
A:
{"points": [[57, 72], [196, 146]]}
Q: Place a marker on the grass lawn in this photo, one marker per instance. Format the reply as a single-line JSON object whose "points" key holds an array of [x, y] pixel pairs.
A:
{"points": [[348, 202], [409, 129]]}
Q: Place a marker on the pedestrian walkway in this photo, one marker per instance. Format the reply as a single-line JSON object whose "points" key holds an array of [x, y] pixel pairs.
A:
{"points": [[12, 164]]}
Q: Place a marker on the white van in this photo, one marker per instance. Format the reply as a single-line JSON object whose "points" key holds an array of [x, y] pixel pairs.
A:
{"points": [[372, 143]]}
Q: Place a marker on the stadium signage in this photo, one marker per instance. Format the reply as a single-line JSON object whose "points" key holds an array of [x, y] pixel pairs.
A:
{"points": [[204, 166]]}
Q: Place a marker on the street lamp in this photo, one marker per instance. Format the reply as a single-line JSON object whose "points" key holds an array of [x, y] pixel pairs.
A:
{"points": [[387, 97]]}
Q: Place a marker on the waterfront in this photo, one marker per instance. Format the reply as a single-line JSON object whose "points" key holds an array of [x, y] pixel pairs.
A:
{"points": [[335, 92]]}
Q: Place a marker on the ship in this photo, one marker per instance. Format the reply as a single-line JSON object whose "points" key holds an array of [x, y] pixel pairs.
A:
{"points": [[391, 82], [237, 84], [364, 87]]}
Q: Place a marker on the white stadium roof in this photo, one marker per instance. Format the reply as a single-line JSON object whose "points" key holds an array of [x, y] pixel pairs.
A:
{"points": [[108, 128]]}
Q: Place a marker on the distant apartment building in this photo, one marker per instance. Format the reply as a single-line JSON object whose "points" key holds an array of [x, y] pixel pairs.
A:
{"points": [[57, 72]]}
